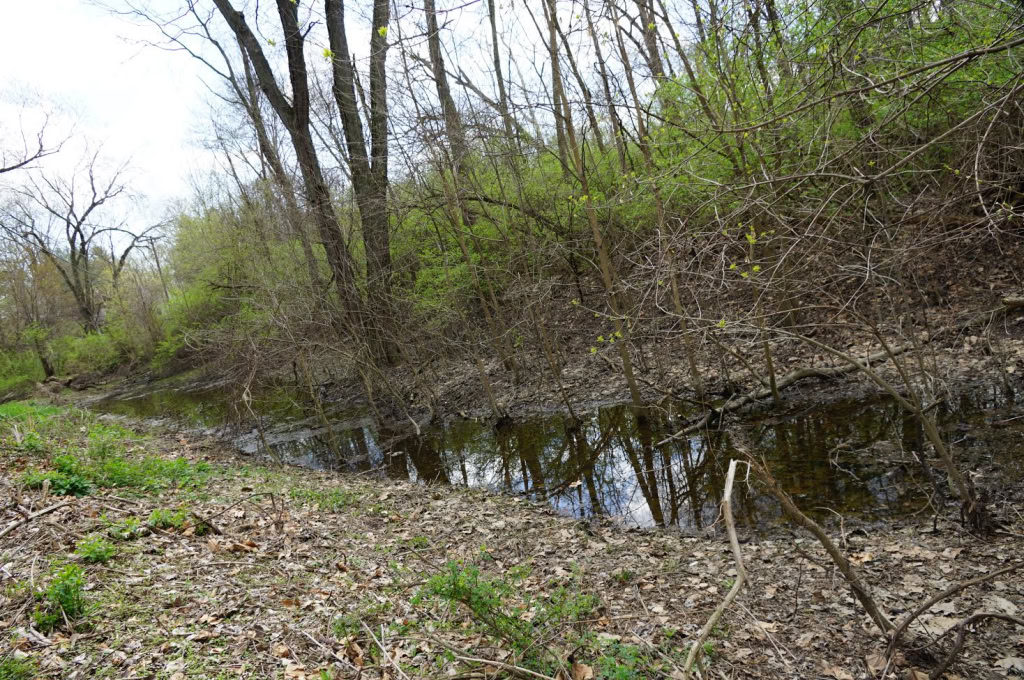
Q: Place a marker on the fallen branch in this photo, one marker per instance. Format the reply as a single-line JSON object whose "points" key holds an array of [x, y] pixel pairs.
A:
{"points": [[383, 650], [45, 511], [961, 637], [860, 591], [461, 655], [782, 383], [202, 521], [939, 597], [851, 365], [741, 576]]}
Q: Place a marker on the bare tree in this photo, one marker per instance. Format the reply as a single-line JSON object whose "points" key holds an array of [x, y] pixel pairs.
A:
{"points": [[67, 219]]}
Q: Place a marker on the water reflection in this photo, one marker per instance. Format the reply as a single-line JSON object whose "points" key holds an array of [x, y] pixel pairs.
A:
{"points": [[851, 457], [846, 458]]}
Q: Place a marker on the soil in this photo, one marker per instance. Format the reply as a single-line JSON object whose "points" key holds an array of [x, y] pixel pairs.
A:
{"points": [[263, 597]]}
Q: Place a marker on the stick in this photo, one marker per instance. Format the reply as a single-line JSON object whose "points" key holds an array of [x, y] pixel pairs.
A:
{"points": [[952, 590], [45, 511], [741, 576], [962, 628], [383, 650]]}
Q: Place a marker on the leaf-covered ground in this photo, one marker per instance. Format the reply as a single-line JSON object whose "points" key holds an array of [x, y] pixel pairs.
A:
{"points": [[188, 562]]}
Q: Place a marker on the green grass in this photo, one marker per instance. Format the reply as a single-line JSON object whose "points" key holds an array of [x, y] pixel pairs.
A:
{"points": [[17, 669], [106, 459]]}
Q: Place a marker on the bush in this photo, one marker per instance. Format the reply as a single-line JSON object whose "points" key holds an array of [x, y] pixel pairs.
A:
{"points": [[92, 353]]}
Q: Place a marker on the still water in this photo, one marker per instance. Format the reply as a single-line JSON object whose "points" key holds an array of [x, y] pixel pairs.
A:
{"points": [[853, 457]]}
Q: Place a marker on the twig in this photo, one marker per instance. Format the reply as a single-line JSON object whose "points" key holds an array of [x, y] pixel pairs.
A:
{"points": [[741, 575], [383, 650], [45, 511], [961, 637], [461, 656], [952, 590], [205, 522]]}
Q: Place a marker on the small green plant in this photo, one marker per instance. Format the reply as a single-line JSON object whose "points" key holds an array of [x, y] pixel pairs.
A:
{"points": [[61, 484], [326, 500], [31, 442], [419, 542], [496, 604], [95, 550], [162, 518], [17, 669], [623, 576], [127, 529], [63, 600]]}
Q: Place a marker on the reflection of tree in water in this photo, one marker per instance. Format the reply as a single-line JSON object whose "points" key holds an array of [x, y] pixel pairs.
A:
{"points": [[423, 453], [623, 462]]}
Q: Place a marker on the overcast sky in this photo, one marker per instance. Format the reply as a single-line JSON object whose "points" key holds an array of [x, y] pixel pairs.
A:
{"points": [[140, 103]]}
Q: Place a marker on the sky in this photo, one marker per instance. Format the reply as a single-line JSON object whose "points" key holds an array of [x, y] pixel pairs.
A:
{"points": [[141, 104]]}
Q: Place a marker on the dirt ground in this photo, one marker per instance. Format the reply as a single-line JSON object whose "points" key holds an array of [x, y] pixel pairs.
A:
{"points": [[289, 573]]}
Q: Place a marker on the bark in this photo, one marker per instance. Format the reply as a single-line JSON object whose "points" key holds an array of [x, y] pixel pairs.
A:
{"points": [[506, 118], [368, 165], [620, 145], [294, 115]]}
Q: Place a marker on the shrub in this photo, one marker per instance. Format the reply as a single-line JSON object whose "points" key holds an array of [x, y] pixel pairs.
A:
{"points": [[91, 353]]}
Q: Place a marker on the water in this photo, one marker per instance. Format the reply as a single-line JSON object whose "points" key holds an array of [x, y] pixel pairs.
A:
{"points": [[850, 457]]}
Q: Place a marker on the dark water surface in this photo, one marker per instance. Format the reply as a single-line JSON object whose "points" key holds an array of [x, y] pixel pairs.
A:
{"points": [[854, 457]]}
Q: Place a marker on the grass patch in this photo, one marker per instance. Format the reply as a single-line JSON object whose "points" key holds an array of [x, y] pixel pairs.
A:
{"points": [[105, 460], [17, 669]]}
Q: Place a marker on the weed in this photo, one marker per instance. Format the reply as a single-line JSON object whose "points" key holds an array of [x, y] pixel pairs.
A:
{"points": [[490, 602], [419, 542], [623, 576], [127, 529], [161, 518], [326, 500], [17, 669], [63, 599], [95, 550], [31, 442], [346, 625], [61, 484]]}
